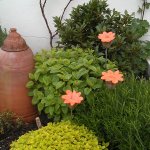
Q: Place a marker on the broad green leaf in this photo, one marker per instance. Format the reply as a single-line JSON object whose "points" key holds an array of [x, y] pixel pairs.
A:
{"points": [[59, 84], [55, 79], [81, 72], [68, 87], [64, 109], [90, 98], [31, 76], [40, 107], [46, 110], [30, 84], [36, 75], [98, 84], [51, 110], [35, 101], [46, 80], [93, 68], [91, 81], [87, 91], [55, 68], [57, 106]]}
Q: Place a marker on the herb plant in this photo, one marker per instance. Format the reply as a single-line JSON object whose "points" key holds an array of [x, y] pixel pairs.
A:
{"points": [[121, 115], [57, 71], [88, 20]]}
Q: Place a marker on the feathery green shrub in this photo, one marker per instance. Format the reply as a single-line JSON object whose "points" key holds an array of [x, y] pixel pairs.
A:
{"points": [[121, 115]]}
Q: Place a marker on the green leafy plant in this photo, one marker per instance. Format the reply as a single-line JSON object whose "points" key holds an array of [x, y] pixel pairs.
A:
{"points": [[57, 71], [61, 136], [8, 122], [88, 20], [3, 35], [120, 115]]}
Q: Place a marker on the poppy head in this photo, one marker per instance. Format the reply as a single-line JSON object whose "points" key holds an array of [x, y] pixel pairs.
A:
{"points": [[110, 76], [72, 98], [106, 37]]}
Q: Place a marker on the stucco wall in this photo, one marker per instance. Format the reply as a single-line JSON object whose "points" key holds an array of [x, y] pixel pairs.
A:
{"points": [[26, 16]]}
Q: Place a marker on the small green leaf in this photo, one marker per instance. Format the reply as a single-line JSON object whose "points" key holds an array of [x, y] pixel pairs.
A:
{"points": [[35, 101], [51, 110], [87, 91], [30, 84], [59, 84], [64, 109], [40, 107], [31, 76], [90, 98]]}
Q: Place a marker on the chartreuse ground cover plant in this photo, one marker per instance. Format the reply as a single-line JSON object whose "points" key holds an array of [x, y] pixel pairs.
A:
{"points": [[89, 20], [58, 71], [59, 136], [120, 115]]}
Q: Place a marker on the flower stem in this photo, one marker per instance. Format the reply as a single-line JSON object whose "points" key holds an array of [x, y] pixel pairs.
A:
{"points": [[71, 114], [106, 56]]}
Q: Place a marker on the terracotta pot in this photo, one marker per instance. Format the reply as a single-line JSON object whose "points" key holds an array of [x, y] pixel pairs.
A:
{"points": [[16, 62]]}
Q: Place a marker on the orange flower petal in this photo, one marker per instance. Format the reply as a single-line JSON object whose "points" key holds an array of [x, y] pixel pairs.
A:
{"points": [[114, 77], [72, 98]]}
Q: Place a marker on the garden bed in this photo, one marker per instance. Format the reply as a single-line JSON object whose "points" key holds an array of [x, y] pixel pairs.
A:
{"points": [[7, 138]]}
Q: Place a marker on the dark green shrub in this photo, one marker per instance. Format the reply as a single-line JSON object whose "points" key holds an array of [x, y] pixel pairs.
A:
{"points": [[8, 122], [120, 115], [88, 20], [57, 71], [3, 35], [59, 136]]}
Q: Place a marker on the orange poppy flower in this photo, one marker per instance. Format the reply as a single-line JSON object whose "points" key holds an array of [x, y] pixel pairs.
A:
{"points": [[72, 98], [106, 37], [111, 76]]}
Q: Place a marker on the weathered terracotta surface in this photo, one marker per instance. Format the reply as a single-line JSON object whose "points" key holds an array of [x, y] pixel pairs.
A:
{"points": [[16, 61]]}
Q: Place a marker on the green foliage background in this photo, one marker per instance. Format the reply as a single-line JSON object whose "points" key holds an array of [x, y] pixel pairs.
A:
{"points": [[88, 20]]}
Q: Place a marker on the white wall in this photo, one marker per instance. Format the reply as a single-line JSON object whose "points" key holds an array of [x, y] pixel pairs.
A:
{"points": [[26, 16]]}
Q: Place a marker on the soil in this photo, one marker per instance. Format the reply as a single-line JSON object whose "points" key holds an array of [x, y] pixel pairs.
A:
{"points": [[7, 138]]}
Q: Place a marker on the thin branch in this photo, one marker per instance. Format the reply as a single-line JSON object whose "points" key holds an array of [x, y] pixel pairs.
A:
{"points": [[42, 6], [44, 3], [65, 9], [62, 16]]}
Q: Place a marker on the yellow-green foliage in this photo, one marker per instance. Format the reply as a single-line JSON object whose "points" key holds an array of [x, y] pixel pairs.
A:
{"points": [[59, 136]]}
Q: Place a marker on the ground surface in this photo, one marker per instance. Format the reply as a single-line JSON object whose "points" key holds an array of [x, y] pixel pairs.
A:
{"points": [[6, 139]]}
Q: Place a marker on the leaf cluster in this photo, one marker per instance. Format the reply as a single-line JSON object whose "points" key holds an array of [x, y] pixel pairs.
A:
{"points": [[61, 136], [88, 20], [57, 71]]}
